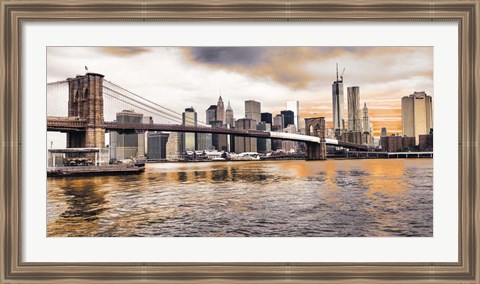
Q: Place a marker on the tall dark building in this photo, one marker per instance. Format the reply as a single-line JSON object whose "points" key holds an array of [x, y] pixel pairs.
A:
{"points": [[266, 117], [157, 145], [264, 145], [288, 117], [211, 114]]}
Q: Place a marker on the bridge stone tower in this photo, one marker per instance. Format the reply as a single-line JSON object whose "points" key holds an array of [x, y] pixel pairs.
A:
{"points": [[315, 126], [85, 102]]}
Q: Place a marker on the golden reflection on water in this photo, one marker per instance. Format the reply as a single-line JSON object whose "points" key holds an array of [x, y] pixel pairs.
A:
{"points": [[276, 198]]}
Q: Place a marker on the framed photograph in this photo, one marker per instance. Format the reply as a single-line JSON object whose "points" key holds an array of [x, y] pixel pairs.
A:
{"points": [[239, 141]]}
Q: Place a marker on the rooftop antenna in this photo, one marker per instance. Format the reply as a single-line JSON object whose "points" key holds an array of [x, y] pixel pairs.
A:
{"points": [[337, 72]]}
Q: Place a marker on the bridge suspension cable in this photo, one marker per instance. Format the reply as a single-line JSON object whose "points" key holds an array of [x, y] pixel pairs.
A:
{"points": [[116, 99], [144, 107], [147, 105]]}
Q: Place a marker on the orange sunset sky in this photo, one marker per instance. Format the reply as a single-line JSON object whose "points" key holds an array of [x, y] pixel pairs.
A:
{"points": [[181, 77]]}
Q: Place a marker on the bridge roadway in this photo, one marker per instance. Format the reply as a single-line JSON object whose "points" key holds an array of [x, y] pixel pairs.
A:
{"points": [[65, 124]]}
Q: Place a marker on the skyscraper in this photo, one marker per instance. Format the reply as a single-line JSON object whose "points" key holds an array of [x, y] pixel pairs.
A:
{"points": [[220, 110], [278, 122], [353, 101], [367, 127], [252, 110], [337, 103], [218, 140], [266, 117], [229, 115], [295, 107], [288, 118], [211, 114], [264, 145], [417, 117], [366, 120], [189, 117]]}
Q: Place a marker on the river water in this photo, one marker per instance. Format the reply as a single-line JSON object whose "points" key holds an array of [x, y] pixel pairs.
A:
{"points": [[333, 198]]}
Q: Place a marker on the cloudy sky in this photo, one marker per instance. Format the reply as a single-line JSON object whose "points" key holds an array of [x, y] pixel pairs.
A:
{"points": [[180, 77]]}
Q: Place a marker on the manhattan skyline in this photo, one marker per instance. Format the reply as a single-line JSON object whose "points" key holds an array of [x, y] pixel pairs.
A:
{"points": [[196, 76]]}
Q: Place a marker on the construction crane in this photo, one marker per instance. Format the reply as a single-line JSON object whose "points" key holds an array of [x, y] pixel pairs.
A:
{"points": [[341, 76]]}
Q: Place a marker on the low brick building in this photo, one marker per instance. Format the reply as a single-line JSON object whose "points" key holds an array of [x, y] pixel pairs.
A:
{"points": [[395, 143]]}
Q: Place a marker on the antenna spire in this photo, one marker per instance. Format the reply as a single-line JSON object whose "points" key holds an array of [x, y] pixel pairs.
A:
{"points": [[337, 72]]}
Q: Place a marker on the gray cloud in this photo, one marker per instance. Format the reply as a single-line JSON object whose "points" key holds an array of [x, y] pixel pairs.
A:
{"points": [[228, 56]]}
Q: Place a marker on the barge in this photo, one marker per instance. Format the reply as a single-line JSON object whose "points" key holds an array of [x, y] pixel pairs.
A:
{"points": [[120, 169]]}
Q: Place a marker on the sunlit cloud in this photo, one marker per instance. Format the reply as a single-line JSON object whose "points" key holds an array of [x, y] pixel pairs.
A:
{"points": [[123, 51]]}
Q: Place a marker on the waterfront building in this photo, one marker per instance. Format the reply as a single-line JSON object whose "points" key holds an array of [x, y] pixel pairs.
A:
{"points": [[337, 104], [220, 110], [253, 110], [353, 101], [266, 117], [131, 145], [396, 143], [417, 115], [189, 117], [245, 144], [288, 118], [295, 107], [157, 146], [204, 141], [264, 145], [384, 132], [229, 119], [174, 146], [425, 141]]}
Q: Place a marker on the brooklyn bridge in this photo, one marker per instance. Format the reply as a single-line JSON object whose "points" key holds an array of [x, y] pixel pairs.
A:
{"points": [[82, 106]]}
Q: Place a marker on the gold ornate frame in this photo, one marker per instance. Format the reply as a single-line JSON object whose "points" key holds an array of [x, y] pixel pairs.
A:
{"points": [[15, 12]]}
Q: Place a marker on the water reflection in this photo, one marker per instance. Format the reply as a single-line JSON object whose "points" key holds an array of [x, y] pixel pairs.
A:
{"points": [[84, 206], [278, 198]]}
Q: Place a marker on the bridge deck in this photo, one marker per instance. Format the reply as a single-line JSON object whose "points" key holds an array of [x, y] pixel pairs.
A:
{"points": [[65, 124]]}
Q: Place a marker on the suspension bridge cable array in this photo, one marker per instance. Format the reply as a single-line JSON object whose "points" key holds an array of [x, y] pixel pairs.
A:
{"points": [[116, 99]]}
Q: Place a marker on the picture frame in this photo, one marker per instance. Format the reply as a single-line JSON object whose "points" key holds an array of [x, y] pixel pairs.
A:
{"points": [[15, 13]]}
